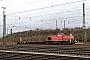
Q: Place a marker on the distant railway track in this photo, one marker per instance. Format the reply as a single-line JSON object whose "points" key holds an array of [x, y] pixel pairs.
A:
{"points": [[80, 51]]}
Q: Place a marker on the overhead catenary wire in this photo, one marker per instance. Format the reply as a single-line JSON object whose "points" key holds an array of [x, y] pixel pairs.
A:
{"points": [[53, 19], [39, 24], [49, 20], [45, 7], [36, 24], [49, 14], [20, 24], [58, 13]]}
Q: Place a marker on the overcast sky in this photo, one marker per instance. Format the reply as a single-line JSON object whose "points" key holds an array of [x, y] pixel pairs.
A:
{"points": [[43, 14]]}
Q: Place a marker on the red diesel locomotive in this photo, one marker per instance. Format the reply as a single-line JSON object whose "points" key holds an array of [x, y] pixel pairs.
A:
{"points": [[60, 39]]}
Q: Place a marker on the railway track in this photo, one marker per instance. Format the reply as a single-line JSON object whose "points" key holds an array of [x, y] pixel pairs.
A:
{"points": [[79, 51], [18, 56]]}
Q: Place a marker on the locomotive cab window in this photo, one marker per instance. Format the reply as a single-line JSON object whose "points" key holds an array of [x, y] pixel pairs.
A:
{"points": [[49, 38]]}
